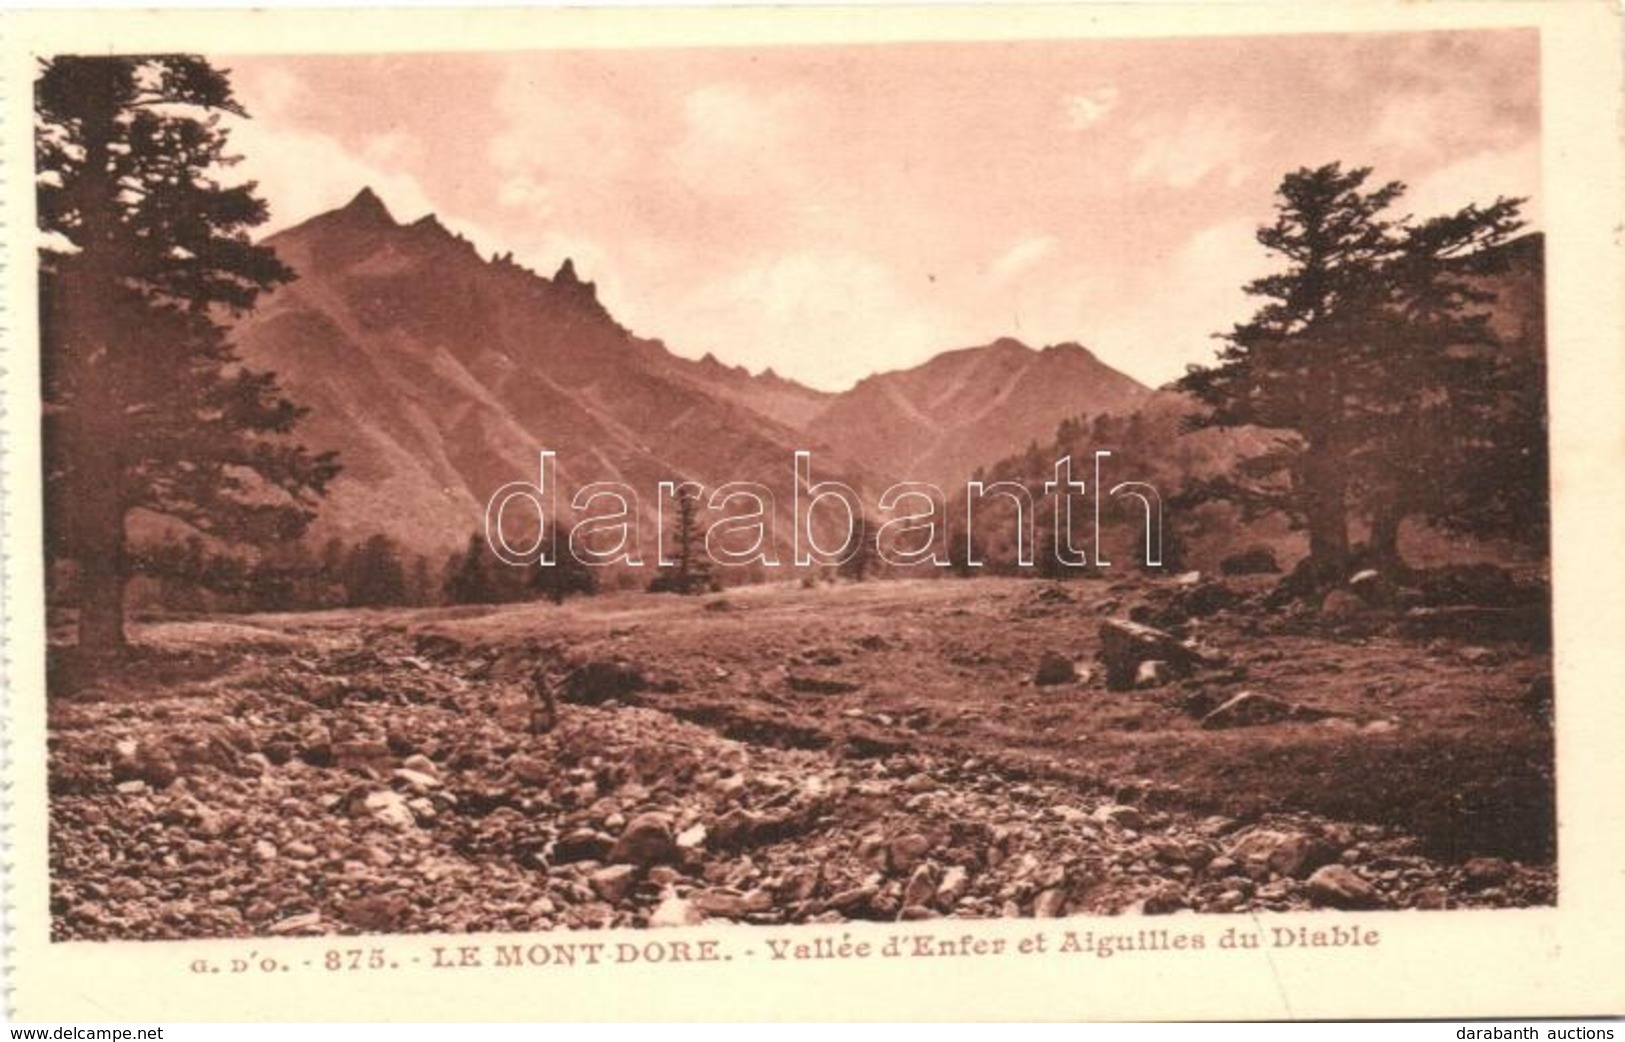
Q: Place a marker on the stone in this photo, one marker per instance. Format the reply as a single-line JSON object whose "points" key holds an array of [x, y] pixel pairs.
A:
{"points": [[1119, 814], [921, 887], [1055, 669], [371, 755], [1339, 886], [1247, 709], [1372, 588], [1481, 872], [1431, 899], [1342, 604], [583, 844], [417, 781], [646, 841], [390, 808], [422, 764], [602, 681], [905, 851], [531, 770], [1050, 904], [307, 922], [299, 850], [1151, 673], [676, 911], [952, 889], [1264, 851], [613, 883], [692, 838], [379, 913], [1124, 644], [726, 903]]}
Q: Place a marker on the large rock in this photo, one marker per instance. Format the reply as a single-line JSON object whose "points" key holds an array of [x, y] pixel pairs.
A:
{"points": [[1055, 669], [614, 883], [1247, 709], [676, 911], [598, 682], [646, 841], [1125, 644], [1339, 886], [1265, 851]]}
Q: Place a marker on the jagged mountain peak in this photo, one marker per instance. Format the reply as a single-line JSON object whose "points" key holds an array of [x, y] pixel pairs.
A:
{"points": [[366, 208]]}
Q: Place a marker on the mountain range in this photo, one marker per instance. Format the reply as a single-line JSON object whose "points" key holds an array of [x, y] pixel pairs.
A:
{"points": [[438, 375]]}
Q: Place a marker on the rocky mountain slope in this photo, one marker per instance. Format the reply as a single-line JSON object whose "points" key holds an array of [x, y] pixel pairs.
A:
{"points": [[963, 409], [438, 375]]}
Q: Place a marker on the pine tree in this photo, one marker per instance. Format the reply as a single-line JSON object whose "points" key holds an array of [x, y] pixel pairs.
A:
{"points": [[374, 576], [1352, 346], [468, 576], [566, 575], [690, 571], [146, 405]]}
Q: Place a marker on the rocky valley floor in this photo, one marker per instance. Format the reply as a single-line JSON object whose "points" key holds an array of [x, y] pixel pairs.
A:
{"points": [[781, 754]]}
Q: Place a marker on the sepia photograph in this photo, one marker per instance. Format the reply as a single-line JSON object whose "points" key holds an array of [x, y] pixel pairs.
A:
{"points": [[604, 493]]}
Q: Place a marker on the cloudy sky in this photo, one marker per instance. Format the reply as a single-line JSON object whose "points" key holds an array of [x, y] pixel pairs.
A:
{"points": [[833, 211]]}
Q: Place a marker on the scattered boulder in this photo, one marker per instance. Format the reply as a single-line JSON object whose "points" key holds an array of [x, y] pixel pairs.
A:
{"points": [[1205, 598], [144, 762], [369, 755], [601, 681], [1338, 886], [1343, 604], [614, 883], [1055, 669], [1481, 872], [1125, 644], [646, 841], [921, 888], [1152, 673], [1247, 709], [951, 890], [1373, 588], [583, 844], [1255, 560], [390, 808], [905, 851], [676, 911], [378, 913], [1263, 851]]}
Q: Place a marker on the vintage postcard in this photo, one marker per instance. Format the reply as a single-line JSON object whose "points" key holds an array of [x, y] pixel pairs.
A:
{"points": [[1087, 512]]}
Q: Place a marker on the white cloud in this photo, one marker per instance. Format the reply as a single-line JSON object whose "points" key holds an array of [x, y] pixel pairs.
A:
{"points": [[1186, 149], [1181, 304], [1022, 256], [737, 141], [821, 316], [1085, 110], [1480, 178], [305, 173]]}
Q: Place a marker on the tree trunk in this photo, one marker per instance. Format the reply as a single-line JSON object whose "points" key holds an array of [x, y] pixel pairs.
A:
{"points": [[1384, 544], [103, 569], [1326, 511]]}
